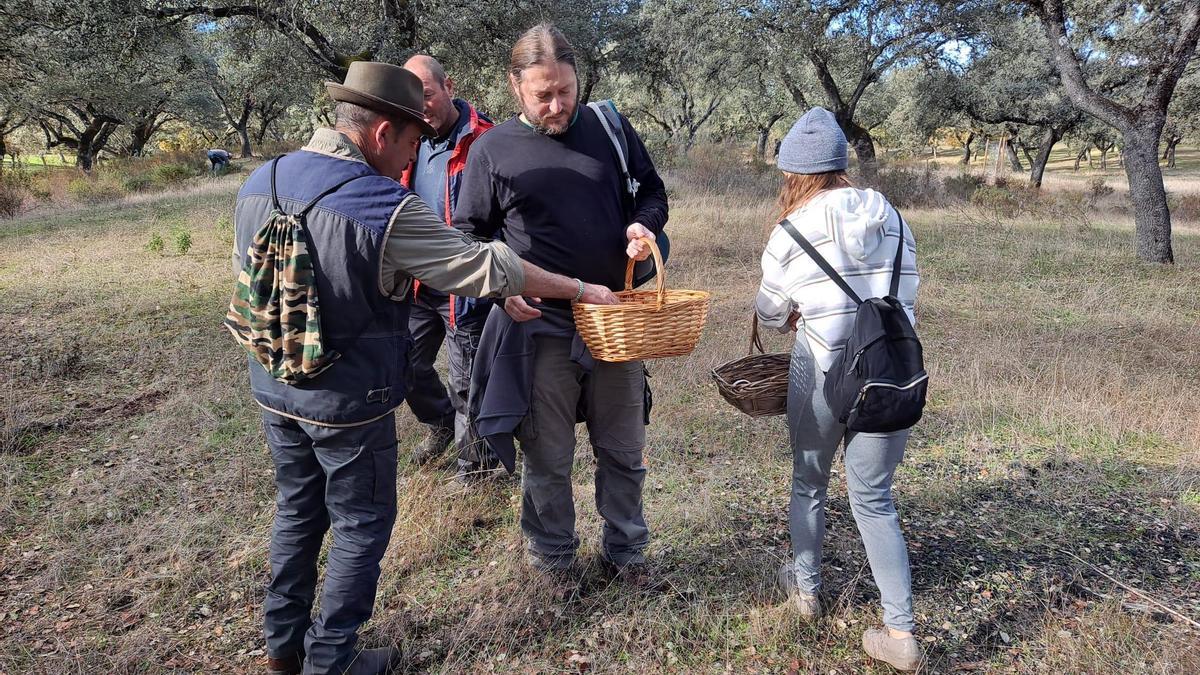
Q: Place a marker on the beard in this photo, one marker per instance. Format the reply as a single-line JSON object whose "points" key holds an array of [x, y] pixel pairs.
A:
{"points": [[550, 127]]}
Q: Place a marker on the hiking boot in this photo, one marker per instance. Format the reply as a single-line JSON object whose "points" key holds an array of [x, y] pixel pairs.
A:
{"points": [[900, 653], [808, 606], [287, 665], [434, 445], [373, 661], [639, 576]]}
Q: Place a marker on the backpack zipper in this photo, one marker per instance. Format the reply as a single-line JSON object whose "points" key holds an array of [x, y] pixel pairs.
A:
{"points": [[862, 393]]}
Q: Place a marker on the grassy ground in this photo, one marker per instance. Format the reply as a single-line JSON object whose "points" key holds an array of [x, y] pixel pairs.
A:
{"points": [[1060, 454]]}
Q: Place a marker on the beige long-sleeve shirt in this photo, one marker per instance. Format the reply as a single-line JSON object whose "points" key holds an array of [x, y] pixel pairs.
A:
{"points": [[420, 245]]}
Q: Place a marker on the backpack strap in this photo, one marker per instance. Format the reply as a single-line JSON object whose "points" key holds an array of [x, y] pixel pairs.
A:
{"points": [[611, 122], [820, 260], [312, 202], [274, 194], [895, 287]]}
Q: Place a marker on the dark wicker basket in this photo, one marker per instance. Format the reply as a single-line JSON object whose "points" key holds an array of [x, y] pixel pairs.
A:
{"points": [[756, 384]]}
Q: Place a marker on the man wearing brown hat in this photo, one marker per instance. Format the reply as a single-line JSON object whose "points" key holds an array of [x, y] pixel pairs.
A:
{"points": [[332, 437]]}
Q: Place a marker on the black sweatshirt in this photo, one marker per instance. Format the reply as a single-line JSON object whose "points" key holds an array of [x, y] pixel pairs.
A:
{"points": [[558, 200]]}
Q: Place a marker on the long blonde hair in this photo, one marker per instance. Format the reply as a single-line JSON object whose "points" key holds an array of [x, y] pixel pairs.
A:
{"points": [[800, 188]]}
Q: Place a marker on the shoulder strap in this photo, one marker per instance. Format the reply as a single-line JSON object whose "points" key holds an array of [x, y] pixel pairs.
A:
{"points": [[274, 195], [612, 123], [895, 287], [820, 260]]}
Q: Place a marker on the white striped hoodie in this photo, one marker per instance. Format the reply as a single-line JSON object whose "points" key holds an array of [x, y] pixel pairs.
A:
{"points": [[856, 231]]}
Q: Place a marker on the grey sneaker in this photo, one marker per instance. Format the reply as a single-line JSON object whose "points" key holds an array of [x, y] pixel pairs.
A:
{"points": [[434, 445], [809, 606], [901, 654]]}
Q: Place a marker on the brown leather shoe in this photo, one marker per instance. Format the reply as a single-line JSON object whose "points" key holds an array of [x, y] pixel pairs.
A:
{"points": [[288, 665]]}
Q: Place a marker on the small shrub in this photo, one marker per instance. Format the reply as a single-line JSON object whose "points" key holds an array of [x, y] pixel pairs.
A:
{"points": [[14, 188], [95, 189], [135, 183], [1185, 207], [166, 174], [961, 186], [183, 241], [995, 205], [156, 244], [1097, 189], [906, 187]]}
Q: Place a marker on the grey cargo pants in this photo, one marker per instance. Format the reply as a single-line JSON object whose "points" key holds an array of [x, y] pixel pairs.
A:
{"points": [[612, 398]]}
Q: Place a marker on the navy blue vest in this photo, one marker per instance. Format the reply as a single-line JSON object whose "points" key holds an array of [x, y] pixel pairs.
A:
{"points": [[346, 232]]}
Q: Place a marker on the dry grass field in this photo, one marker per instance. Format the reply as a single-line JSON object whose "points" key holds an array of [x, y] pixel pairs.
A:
{"points": [[1051, 495]]}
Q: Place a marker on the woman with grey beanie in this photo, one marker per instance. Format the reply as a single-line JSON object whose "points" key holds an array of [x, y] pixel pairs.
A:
{"points": [[857, 233]]}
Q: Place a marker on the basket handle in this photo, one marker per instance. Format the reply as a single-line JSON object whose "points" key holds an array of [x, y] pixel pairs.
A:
{"points": [[660, 280], [755, 339]]}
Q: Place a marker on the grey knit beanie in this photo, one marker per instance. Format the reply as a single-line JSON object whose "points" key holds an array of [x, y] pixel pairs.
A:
{"points": [[815, 144]]}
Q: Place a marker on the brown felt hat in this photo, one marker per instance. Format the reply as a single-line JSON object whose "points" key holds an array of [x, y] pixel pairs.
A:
{"points": [[385, 89]]}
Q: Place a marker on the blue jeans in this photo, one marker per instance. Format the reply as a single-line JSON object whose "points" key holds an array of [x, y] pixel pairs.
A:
{"points": [[871, 461], [344, 478]]}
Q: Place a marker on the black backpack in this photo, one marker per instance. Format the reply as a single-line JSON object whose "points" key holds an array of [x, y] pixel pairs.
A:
{"points": [[878, 382]]}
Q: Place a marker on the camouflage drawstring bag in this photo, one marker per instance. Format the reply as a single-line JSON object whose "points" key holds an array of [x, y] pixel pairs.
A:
{"points": [[275, 313]]}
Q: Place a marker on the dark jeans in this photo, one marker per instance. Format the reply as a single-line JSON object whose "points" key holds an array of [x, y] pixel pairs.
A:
{"points": [[344, 477], [431, 403]]}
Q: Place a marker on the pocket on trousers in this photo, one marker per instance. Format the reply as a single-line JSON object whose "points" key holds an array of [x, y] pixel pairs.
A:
{"points": [[385, 477]]}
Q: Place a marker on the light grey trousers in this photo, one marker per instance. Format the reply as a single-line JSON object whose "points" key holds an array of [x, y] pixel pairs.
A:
{"points": [[871, 461], [613, 403]]}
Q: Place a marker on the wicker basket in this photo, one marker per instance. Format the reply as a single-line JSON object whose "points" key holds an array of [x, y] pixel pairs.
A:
{"points": [[645, 324], [756, 384]]}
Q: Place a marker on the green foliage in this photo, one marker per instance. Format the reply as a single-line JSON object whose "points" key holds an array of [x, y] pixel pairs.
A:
{"points": [[156, 244], [183, 241]]}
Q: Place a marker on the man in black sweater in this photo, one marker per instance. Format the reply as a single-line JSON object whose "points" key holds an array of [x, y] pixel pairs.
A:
{"points": [[550, 182]]}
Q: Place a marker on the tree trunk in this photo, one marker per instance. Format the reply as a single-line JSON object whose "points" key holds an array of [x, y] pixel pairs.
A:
{"points": [[1152, 218], [1014, 162], [966, 158], [1104, 158], [1038, 165], [85, 158], [760, 148], [1079, 159], [1169, 155], [764, 135], [864, 147], [3, 152], [244, 132], [590, 78], [139, 136]]}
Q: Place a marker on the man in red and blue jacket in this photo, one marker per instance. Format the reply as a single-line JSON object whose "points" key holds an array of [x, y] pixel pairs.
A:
{"points": [[439, 317]]}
